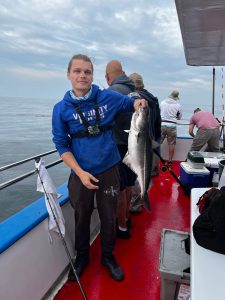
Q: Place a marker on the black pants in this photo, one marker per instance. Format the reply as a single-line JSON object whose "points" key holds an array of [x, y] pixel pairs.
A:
{"points": [[127, 176], [82, 200]]}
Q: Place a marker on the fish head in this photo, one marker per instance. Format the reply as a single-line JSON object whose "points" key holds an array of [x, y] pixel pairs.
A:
{"points": [[140, 118]]}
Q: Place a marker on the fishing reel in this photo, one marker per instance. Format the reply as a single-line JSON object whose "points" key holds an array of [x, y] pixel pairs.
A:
{"points": [[164, 168]]}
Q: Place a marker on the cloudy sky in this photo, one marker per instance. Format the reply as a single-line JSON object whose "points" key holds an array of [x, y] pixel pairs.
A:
{"points": [[38, 37]]}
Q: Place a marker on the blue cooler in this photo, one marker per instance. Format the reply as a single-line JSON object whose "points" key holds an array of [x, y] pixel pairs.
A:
{"points": [[194, 177]]}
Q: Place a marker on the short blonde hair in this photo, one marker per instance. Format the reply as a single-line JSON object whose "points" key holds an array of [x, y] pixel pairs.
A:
{"points": [[80, 57]]}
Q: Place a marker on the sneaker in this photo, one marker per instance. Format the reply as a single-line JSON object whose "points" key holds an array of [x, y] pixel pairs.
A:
{"points": [[170, 162], [128, 223], [122, 234], [114, 269], [135, 209]]}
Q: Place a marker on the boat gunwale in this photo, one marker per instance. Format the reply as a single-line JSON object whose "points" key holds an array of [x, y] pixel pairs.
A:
{"points": [[18, 225]]}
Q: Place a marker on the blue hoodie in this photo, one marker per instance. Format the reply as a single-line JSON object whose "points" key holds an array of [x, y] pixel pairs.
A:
{"points": [[93, 154]]}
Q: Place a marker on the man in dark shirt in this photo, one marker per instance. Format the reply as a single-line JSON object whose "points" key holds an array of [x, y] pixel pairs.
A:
{"points": [[154, 133], [118, 81]]}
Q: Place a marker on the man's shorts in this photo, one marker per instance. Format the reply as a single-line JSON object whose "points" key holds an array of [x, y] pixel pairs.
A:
{"points": [[170, 133], [127, 176]]}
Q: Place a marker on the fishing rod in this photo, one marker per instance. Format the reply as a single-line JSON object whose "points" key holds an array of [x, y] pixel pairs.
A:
{"points": [[167, 167], [177, 123], [183, 123], [61, 235]]}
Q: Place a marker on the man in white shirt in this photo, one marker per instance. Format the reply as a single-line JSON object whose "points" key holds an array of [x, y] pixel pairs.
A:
{"points": [[170, 112]]}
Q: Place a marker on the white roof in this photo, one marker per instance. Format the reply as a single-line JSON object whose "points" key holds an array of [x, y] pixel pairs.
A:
{"points": [[202, 24]]}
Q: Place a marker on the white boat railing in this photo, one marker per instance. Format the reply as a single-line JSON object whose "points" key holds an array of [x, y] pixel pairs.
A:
{"points": [[28, 174], [26, 160]]}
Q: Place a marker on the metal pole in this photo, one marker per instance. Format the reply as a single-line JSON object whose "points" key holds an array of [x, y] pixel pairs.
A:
{"points": [[213, 91], [223, 120], [62, 239]]}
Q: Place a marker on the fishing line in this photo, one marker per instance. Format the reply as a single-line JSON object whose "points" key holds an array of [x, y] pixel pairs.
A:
{"points": [[61, 235]]}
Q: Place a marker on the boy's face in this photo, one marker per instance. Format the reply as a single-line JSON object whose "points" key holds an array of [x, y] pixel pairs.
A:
{"points": [[81, 76]]}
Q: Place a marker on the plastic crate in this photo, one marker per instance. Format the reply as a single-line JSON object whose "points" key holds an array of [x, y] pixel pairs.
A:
{"points": [[173, 262], [192, 177]]}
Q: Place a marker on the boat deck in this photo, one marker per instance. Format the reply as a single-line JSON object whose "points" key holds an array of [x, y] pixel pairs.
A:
{"points": [[139, 255]]}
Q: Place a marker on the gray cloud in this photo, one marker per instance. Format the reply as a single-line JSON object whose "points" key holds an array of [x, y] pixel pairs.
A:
{"points": [[37, 39]]}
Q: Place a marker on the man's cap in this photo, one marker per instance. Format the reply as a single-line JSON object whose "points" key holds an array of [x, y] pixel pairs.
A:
{"points": [[174, 95], [197, 109]]}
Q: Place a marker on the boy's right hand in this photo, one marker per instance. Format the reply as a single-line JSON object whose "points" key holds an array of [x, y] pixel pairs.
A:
{"points": [[86, 178]]}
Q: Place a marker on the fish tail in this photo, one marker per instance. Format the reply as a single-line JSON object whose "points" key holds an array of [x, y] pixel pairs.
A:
{"points": [[146, 201]]}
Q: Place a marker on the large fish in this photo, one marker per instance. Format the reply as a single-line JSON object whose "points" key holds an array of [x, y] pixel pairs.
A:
{"points": [[139, 155]]}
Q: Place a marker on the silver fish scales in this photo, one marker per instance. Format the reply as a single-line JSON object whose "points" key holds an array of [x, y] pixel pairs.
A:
{"points": [[139, 155]]}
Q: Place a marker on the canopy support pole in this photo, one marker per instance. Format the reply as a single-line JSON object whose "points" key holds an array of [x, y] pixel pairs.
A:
{"points": [[213, 91]]}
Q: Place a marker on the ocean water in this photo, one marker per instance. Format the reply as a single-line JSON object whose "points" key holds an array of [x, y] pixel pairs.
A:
{"points": [[25, 131]]}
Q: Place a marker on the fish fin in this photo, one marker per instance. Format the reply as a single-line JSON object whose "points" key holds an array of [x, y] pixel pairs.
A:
{"points": [[146, 202], [127, 161]]}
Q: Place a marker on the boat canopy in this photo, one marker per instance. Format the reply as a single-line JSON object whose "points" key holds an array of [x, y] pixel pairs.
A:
{"points": [[202, 24]]}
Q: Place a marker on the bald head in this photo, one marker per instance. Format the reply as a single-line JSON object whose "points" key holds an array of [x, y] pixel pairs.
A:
{"points": [[113, 70]]}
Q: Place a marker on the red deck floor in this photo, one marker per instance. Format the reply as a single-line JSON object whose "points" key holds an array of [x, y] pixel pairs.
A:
{"points": [[139, 255]]}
